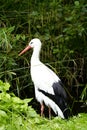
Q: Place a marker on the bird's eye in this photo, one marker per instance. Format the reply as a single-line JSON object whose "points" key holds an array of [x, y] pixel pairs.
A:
{"points": [[31, 42]]}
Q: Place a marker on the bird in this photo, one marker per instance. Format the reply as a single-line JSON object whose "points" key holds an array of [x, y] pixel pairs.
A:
{"points": [[49, 89]]}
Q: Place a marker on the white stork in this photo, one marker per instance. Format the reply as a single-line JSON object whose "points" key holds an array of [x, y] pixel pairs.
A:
{"points": [[48, 86]]}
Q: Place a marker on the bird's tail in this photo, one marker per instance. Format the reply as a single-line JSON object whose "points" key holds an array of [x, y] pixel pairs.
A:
{"points": [[59, 101]]}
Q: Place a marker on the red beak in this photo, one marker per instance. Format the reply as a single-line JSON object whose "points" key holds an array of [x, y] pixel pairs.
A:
{"points": [[26, 49]]}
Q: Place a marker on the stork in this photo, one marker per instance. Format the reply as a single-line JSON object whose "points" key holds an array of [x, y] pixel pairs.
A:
{"points": [[48, 86]]}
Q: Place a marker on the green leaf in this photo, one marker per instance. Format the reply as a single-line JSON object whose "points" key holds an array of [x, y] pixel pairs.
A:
{"points": [[18, 37], [23, 37], [11, 29], [76, 3], [3, 114], [4, 86]]}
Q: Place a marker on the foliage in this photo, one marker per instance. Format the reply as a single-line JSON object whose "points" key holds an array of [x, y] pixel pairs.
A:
{"points": [[12, 109], [84, 93], [9, 45], [15, 114]]}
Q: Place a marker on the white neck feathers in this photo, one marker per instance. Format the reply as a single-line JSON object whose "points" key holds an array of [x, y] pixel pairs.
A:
{"points": [[35, 59]]}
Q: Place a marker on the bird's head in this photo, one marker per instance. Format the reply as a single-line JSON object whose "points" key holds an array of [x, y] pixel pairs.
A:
{"points": [[34, 43]]}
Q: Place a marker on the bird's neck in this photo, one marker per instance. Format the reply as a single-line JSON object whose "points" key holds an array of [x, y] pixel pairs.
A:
{"points": [[35, 59]]}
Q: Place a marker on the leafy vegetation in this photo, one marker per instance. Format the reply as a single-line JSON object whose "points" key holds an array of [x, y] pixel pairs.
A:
{"points": [[62, 27], [15, 114]]}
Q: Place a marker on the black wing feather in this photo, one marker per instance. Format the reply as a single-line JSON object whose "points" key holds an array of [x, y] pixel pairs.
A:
{"points": [[59, 98]]}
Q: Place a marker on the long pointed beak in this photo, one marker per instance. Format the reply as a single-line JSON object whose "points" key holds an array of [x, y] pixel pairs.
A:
{"points": [[26, 49]]}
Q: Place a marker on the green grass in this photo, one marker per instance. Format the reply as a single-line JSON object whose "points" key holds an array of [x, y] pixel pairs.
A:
{"points": [[74, 123], [35, 122]]}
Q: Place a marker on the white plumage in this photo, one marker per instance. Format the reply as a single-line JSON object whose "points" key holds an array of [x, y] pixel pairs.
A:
{"points": [[44, 80]]}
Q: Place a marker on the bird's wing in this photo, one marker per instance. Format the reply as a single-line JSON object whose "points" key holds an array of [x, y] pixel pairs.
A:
{"points": [[45, 79]]}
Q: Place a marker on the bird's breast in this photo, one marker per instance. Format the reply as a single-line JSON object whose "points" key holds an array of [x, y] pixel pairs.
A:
{"points": [[43, 78]]}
